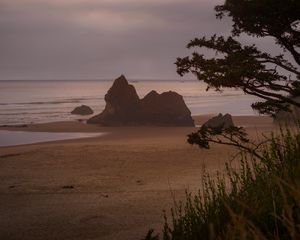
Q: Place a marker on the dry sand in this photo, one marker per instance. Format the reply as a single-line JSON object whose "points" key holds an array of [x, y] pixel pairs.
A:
{"points": [[110, 187]]}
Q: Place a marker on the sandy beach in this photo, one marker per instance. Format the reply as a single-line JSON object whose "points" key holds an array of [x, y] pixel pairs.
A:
{"points": [[110, 187]]}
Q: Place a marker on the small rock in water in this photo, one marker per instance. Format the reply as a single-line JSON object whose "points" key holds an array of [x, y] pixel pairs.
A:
{"points": [[82, 110]]}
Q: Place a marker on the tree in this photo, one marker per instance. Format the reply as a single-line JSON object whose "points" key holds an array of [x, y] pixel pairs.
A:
{"points": [[274, 79], [211, 215], [246, 67]]}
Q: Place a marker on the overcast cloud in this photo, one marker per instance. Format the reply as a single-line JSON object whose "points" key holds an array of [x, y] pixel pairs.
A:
{"points": [[90, 39]]}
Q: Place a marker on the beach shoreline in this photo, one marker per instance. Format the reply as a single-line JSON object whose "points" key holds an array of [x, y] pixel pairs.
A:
{"points": [[110, 187], [82, 126]]}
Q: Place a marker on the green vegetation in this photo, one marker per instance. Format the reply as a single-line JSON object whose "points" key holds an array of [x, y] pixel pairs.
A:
{"points": [[259, 200], [273, 78]]}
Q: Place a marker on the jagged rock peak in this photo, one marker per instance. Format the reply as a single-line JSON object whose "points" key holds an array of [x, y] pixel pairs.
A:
{"points": [[221, 120], [152, 93], [124, 107], [120, 81]]}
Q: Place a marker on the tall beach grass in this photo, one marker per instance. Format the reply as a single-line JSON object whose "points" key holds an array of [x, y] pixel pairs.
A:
{"points": [[258, 200]]}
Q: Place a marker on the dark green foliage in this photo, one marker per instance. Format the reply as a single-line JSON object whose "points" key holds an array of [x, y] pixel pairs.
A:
{"points": [[246, 67], [150, 237], [260, 200], [243, 67], [261, 18], [232, 136]]}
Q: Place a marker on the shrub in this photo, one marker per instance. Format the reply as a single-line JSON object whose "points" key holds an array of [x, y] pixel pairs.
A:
{"points": [[259, 200]]}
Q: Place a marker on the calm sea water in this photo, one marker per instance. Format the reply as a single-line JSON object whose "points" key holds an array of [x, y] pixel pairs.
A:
{"points": [[23, 102]]}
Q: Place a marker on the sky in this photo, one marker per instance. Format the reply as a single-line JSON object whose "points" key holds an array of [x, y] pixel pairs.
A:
{"points": [[101, 39]]}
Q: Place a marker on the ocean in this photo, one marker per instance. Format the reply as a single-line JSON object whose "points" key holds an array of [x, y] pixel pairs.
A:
{"points": [[24, 102]]}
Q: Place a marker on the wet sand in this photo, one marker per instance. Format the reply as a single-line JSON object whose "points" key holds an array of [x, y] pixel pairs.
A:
{"points": [[109, 187]]}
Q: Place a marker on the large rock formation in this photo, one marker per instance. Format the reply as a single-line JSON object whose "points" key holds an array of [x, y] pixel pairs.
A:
{"points": [[122, 104], [82, 110], [123, 107], [221, 120], [167, 108]]}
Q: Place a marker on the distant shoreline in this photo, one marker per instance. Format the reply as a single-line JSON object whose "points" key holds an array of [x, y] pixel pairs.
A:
{"points": [[103, 80], [24, 102], [77, 126]]}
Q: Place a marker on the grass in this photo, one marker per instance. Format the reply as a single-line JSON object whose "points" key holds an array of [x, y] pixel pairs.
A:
{"points": [[259, 200]]}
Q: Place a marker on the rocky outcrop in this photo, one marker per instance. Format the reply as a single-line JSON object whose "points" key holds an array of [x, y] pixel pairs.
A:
{"points": [[82, 110], [167, 108], [123, 107], [122, 104], [221, 120], [292, 117]]}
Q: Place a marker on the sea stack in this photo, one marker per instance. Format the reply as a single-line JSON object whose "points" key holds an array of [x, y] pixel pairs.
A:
{"points": [[167, 108], [122, 105], [221, 120], [124, 108], [82, 110]]}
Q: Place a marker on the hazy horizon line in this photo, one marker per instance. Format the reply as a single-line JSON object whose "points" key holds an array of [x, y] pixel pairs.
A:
{"points": [[102, 79]]}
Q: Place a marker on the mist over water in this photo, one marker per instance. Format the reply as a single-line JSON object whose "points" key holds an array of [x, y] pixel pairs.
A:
{"points": [[23, 102]]}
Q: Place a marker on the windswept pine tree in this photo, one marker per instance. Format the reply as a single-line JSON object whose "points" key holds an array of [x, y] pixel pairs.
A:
{"points": [[273, 78]]}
